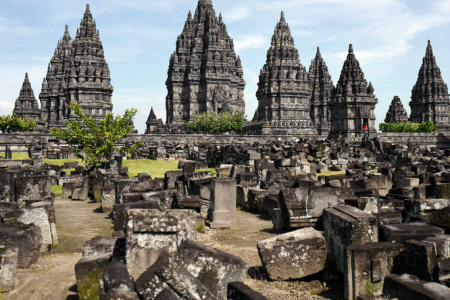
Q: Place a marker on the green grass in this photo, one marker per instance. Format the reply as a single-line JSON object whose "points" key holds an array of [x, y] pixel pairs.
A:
{"points": [[155, 168], [60, 161], [57, 189], [330, 173], [19, 155]]}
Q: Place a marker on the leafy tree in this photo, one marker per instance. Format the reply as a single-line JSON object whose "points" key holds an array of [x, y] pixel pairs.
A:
{"points": [[216, 123], [407, 127], [12, 123], [97, 140]]}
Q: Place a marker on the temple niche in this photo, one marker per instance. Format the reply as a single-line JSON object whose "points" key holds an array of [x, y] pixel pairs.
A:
{"points": [[396, 112], [204, 73], [283, 89], [77, 72], [26, 105], [321, 87], [429, 97], [353, 102]]}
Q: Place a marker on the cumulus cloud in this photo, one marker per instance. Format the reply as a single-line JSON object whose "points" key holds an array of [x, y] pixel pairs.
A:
{"points": [[254, 77], [251, 41], [236, 14]]}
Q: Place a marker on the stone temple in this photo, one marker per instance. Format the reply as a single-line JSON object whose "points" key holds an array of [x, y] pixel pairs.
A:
{"points": [[321, 88], [26, 105], [429, 98], [353, 102], [204, 73], [77, 72], [283, 89], [396, 112]]}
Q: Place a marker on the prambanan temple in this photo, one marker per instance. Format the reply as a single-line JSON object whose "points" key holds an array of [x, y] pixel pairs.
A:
{"points": [[205, 75]]}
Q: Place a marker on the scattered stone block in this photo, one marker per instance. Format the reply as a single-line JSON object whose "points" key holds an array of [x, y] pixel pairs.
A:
{"points": [[344, 226], [120, 212], [99, 245], [164, 198], [422, 207], [39, 216], [108, 198], [441, 218], [187, 202], [88, 272], [150, 231], [117, 283], [222, 206], [81, 190], [213, 268], [293, 255], [170, 177], [242, 191], [8, 267], [410, 287], [368, 262], [240, 291], [399, 233], [126, 186]]}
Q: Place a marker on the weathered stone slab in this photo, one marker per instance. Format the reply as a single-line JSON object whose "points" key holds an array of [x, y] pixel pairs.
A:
{"points": [[240, 291], [164, 198], [108, 198], [344, 226], [8, 268], [117, 283], [88, 272], [441, 218], [293, 255], [120, 212], [125, 186], [168, 273], [242, 193], [368, 262], [99, 245], [150, 231], [170, 177], [31, 187], [423, 207], [81, 190], [213, 268], [410, 287], [222, 207], [39, 216], [399, 233]]}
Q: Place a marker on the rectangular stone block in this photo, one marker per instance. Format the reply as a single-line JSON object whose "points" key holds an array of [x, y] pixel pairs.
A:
{"points": [[88, 272], [222, 207], [344, 226], [399, 233], [240, 291], [8, 267], [120, 212], [410, 287], [124, 186], [150, 231]]}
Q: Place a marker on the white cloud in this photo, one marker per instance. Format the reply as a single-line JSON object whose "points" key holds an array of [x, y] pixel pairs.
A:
{"points": [[236, 14], [254, 77], [251, 41]]}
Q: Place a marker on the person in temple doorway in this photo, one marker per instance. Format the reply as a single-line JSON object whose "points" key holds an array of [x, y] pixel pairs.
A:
{"points": [[366, 130]]}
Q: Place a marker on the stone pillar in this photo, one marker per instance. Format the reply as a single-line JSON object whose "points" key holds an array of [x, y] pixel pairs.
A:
{"points": [[8, 153], [8, 267], [222, 203]]}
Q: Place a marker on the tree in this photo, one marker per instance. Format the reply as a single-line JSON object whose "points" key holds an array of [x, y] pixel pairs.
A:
{"points": [[97, 140], [12, 123], [216, 123], [426, 126]]}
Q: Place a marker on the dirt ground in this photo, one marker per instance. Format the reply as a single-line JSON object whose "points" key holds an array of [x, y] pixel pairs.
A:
{"points": [[53, 276]]}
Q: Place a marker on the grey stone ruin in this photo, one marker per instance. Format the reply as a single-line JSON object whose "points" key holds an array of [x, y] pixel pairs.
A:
{"points": [[222, 205], [8, 267], [8, 153], [429, 96], [26, 105], [396, 112], [353, 102], [153, 123], [77, 72], [204, 73], [283, 89]]}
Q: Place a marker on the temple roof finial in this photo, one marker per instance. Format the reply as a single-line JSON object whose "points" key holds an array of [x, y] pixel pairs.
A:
{"points": [[282, 16], [350, 48], [87, 8]]}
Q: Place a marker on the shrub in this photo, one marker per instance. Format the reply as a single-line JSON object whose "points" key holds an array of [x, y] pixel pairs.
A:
{"points": [[426, 126], [216, 123], [12, 123]]}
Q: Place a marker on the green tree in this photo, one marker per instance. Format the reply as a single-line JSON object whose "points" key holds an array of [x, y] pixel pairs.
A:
{"points": [[217, 123], [97, 141], [407, 127], [12, 123]]}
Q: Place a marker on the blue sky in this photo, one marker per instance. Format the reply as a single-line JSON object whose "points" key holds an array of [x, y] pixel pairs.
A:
{"points": [[389, 38]]}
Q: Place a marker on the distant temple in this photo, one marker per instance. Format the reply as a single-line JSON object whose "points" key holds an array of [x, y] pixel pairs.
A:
{"points": [[353, 102], [396, 112], [321, 88], [429, 97], [283, 89], [77, 73], [154, 124], [204, 73], [26, 105]]}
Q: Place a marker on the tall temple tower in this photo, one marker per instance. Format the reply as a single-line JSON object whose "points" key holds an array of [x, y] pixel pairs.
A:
{"points": [[353, 103], [204, 73], [283, 89], [26, 105], [52, 94], [429, 96], [321, 87], [396, 112], [77, 72]]}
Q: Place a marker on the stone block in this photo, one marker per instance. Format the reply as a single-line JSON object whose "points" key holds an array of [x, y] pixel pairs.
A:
{"points": [[167, 273], [187, 202], [293, 255], [368, 262], [150, 231], [399, 233], [68, 188], [81, 190], [28, 240], [30, 188], [254, 196], [108, 198], [422, 207], [222, 206], [117, 282], [443, 272], [213, 268], [442, 190], [240, 291], [99, 245], [164, 198], [39, 216], [120, 212], [344, 226], [242, 193], [410, 181], [441, 218], [146, 186], [125, 186], [410, 287], [88, 272], [8, 267]]}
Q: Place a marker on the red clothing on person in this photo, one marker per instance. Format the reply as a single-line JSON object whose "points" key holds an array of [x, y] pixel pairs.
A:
{"points": [[365, 127]]}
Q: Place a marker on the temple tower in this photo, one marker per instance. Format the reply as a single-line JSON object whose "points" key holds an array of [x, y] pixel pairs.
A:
{"points": [[153, 123], [204, 73], [283, 89], [353, 102], [321, 87], [89, 82], [396, 112], [52, 94], [26, 105], [429, 96]]}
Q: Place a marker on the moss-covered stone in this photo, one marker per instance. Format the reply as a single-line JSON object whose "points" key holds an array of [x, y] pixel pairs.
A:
{"points": [[88, 272]]}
